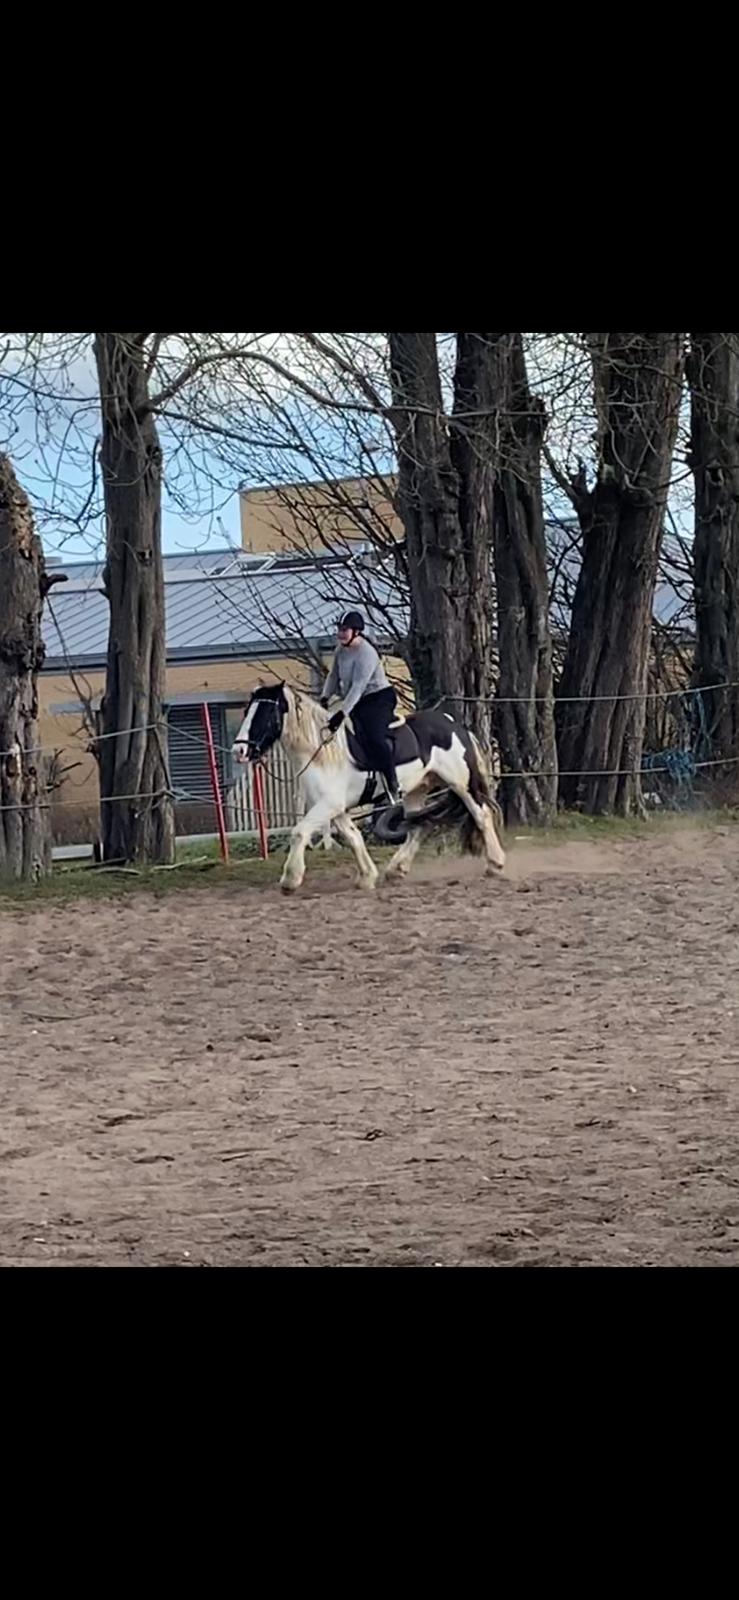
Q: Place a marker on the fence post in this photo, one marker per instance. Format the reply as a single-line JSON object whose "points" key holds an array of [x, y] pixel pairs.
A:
{"points": [[259, 808], [217, 796]]}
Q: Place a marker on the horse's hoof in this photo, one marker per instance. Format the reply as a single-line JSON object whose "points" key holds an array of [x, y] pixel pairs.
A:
{"points": [[289, 888]]}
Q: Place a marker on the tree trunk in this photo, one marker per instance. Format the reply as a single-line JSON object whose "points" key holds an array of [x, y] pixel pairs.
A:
{"points": [[637, 379], [25, 840], [448, 558], [713, 372], [472, 454], [525, 730], [137, 811]]}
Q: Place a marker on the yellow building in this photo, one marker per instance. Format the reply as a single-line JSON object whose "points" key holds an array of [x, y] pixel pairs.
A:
{"points": [[233, 617], [323, 518]]}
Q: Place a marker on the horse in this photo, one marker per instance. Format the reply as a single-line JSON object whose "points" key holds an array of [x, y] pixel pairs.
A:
{"points": [[441, 771]]}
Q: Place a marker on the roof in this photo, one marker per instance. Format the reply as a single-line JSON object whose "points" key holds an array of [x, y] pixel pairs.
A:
{"points": [[231, 605], [220, 605], [368, 478], [668, 604]]}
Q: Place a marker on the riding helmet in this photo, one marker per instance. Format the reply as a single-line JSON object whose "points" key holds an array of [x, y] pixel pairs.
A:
{"points": [[352, 619]]}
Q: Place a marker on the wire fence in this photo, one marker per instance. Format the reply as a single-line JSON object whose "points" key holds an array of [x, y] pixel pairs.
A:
{"points": [[244, 811], [447, 699], [578, 699], [181, 797]]}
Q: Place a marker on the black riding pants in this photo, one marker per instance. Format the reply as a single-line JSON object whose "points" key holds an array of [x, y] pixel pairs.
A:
{"points": [[371, 716]]}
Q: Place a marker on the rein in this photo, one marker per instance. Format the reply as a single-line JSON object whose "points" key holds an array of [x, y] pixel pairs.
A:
{"points": [[261, 761]]}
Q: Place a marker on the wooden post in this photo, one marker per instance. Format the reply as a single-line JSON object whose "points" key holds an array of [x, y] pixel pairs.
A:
{"points": [[220, 816], [259, 808]]}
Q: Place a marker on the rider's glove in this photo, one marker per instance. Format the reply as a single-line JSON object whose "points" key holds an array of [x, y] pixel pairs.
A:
{"points": [[335, 721]]}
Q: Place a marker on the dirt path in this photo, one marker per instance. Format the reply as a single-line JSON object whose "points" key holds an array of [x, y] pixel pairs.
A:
{"points": [[543, 1069]]}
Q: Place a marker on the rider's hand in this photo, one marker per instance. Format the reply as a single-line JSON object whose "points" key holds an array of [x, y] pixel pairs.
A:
{"points": [[323, 703], [335, 721]]}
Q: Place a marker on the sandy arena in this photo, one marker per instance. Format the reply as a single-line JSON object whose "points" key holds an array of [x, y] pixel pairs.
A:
{"points": [[539, 1070]]}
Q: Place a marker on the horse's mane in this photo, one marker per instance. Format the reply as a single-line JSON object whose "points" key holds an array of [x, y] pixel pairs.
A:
{"points": [[305, 726]]}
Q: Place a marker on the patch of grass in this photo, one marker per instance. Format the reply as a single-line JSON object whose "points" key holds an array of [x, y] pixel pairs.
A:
{"points": [[244, 849], [570, 827], [199, 864]]}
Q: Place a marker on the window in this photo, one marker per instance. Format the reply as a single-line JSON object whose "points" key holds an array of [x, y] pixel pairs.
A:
{"points": [[188, 751]]}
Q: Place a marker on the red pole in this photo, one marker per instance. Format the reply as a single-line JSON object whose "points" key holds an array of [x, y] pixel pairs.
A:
{"points": [[205, 708], [259, 808]]}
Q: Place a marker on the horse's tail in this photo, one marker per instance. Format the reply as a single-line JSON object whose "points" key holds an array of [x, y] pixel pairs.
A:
{"points": [[481, 790]]}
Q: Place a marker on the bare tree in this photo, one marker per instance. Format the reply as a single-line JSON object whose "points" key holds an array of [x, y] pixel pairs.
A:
{"points": [[137, 810], [444, 497], [24, 819], [713, 374], [524, 719], [637, 385]]}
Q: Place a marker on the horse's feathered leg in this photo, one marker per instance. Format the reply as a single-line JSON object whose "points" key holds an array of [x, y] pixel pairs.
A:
{"points": [[400, 864], [314, 820], [469, 782], [349, 831], [482, 817]]}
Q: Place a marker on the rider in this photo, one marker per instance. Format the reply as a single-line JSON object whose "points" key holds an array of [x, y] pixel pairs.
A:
{"points": [[358, 675]]}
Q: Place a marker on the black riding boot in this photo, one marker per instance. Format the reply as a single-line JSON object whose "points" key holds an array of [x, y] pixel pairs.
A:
{"points": [[390, 780]]}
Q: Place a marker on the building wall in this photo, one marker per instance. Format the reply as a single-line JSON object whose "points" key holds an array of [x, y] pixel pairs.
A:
{"points": [[294, 516], [66, 736]]}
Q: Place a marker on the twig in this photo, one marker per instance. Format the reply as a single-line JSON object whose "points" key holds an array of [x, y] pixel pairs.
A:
{"points": [[191, 861]]}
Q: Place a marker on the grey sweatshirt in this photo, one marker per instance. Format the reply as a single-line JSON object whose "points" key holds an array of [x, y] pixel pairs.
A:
{"points": [[356, 670]]}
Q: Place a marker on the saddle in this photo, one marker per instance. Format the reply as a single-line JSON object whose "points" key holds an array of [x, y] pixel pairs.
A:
{"points": [[405, 745]]}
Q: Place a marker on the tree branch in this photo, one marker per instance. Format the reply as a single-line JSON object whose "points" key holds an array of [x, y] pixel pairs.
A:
{"points": [[574, 489], [155, 402], [346, 367]]}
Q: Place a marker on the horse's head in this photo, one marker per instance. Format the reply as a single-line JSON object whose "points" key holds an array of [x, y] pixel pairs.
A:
{"points": [[262, 725]]}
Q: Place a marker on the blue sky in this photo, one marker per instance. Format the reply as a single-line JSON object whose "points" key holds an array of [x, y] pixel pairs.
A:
{"points": [[211, 529]]}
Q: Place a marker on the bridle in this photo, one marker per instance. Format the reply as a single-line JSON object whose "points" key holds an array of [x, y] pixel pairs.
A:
{"points": [[259, 758]]}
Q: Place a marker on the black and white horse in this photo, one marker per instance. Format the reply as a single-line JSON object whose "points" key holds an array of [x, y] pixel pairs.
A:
{"points": [[440, 770], [434, 757]]}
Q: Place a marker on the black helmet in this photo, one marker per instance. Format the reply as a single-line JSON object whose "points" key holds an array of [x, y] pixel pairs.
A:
{"points": [[353, 620]]}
